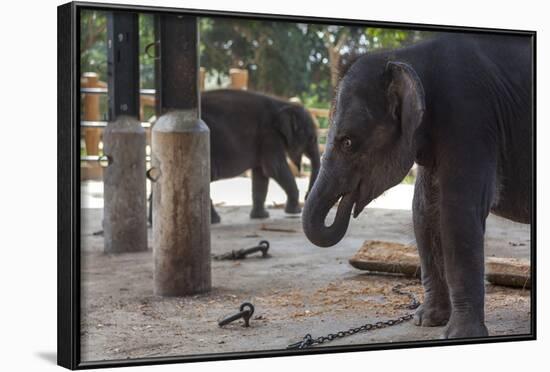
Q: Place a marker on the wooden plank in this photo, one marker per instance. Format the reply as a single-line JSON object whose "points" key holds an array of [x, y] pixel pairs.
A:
{"points": [[323, 113], [396, 258]]}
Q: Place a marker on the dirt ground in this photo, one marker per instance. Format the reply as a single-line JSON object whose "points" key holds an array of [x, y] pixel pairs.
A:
{"points": [[301, 289]]}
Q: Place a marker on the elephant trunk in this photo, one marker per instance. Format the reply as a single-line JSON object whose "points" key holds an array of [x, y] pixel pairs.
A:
{"points": [[312, 152], [322, 197]]}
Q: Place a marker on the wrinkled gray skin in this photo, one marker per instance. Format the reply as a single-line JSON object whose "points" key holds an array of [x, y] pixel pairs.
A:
{"points": [[461, 107]]}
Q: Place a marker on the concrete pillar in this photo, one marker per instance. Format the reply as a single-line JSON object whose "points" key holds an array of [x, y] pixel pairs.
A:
{"points": [[181, 204], [125, 208], [181, 153]]}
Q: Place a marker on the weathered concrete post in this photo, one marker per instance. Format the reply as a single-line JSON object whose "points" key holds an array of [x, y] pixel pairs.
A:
{"points": [[125, 207], [125, 204], [181, 157]]}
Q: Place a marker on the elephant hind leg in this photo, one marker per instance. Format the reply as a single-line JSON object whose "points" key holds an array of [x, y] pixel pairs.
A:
{"points": [[214, 216], [259, 192], [150, 209]]}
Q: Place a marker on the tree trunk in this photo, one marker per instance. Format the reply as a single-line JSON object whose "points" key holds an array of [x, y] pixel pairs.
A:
{"points": [[334, 57]]}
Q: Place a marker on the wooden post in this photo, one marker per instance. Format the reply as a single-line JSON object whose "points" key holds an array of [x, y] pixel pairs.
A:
{"points": [[181, 157], [202, 78], [92, 136], [125, 208], [239, 78], [91, 112]]}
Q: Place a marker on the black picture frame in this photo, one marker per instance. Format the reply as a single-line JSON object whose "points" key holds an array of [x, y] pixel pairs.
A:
{"points": [[68, 220]]}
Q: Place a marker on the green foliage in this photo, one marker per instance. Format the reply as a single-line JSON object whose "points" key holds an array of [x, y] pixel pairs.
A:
{"points": [[291, 59], [312, 99], [93, 46], [409, 179], [93, 43], [378, 38], [146, 62], [272, 52], [285, 59]]}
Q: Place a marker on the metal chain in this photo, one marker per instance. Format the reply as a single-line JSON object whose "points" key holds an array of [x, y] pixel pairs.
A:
{"points": [[308, 341]]}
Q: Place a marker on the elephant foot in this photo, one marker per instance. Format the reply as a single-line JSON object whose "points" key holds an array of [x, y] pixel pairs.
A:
{"points": [[215, 218], [465, 326], [293, 208], [258, 213], [432, 313]]}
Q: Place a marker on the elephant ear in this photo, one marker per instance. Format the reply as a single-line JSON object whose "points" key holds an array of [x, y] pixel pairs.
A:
{"points": [[406, 103], [286, 123]]}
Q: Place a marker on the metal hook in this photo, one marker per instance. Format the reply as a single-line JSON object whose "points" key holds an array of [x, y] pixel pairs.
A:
{"points": [[148, 46], [245, 311], [105, 160], [151, 176], [240, 254]]}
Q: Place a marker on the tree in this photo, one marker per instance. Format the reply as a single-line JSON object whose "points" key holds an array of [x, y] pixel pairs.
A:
{"points": [[272, 52], [285, 59], [93, 42], [291, 59]]}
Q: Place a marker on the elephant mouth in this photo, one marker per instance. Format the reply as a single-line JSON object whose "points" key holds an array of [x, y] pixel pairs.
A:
{"points": [[359, 206], [355, 200], [363, 198], [343, 199], [358, 202]]}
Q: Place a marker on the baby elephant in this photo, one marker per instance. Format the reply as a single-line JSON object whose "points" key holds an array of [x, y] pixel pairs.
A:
{"points": [[461, 107], [253, 131]]}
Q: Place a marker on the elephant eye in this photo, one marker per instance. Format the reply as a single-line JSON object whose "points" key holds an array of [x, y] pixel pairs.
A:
{"points": [[346, 142]]}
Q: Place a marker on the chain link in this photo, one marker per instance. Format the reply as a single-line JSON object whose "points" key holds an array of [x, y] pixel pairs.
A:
{"points": [[308, 341]]}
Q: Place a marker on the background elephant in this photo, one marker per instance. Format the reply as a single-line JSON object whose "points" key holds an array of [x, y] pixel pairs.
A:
{"points": [[254, 131], [461, 106]]}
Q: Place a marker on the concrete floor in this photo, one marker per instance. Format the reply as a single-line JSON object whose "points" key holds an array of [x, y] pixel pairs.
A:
{"points": [[300, 289]]}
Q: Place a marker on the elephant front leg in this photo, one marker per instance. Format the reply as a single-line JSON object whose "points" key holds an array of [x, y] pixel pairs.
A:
{"points": [[436, 308], [259, 192], [284, 177]]}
